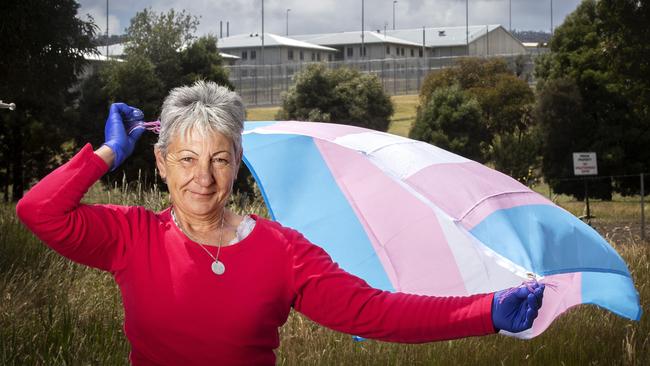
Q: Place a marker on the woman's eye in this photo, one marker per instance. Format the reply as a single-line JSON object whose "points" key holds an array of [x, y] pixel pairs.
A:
{"points": [[187, 159], [220, 161]]}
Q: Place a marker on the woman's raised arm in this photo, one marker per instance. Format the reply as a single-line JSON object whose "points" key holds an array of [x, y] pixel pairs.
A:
{"points": [[95, 235]]}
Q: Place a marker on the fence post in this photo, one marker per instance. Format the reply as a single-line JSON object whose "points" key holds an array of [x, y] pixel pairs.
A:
{"points": [[642, 210], [272, 84]]}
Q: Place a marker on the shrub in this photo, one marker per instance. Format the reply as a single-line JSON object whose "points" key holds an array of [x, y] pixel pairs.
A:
{"points": [[342, 95], [451, 120]]}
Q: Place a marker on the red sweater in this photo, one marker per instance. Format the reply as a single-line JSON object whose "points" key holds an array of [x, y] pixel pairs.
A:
{"points": [[178, 312]]}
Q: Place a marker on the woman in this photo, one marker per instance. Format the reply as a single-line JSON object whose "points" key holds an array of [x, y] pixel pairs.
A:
{"points": [[202, 285]]}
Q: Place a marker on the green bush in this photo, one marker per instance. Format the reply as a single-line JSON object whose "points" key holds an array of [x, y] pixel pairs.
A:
{"points": [[342, 95], [451, 120]]}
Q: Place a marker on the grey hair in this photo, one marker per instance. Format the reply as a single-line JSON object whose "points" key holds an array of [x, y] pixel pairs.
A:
{"points": [[203, 107]]}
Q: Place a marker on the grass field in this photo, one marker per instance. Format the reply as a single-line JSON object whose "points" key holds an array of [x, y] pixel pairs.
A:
{"points": [[54, 312]]}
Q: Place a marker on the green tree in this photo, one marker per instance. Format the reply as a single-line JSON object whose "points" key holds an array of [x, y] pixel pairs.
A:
{"points": [[163, 53], [201, 61], [43, 46], [601, 47], [159, 37], [504, 134], [452, 120], [339, 96], [565, 128]]}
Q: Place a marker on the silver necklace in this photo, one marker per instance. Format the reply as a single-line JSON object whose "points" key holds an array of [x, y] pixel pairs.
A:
{"points": [[217, 266]]}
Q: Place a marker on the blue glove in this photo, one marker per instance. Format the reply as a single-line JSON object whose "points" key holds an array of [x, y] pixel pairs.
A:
{"points": [[514, 310], [123, 128]]}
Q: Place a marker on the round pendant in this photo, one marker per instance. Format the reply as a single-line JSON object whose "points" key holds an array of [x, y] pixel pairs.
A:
{"points": [[218, 268]]}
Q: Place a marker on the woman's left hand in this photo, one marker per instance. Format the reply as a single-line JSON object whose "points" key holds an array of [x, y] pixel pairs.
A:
{"points": [[514, 310], [123, 128]]}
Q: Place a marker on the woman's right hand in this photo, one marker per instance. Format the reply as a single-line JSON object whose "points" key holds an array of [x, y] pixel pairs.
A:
{"points": [[120, 138]]}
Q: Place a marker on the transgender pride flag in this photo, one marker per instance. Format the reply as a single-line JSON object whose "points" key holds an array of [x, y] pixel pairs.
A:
{"points": [[407, 216]]}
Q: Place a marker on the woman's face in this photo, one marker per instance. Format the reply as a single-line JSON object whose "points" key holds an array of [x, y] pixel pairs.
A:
{"points": [[200, 171]]}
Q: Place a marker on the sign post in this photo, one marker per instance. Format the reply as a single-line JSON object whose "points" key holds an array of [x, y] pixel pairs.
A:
{"points": [[585, 164]]}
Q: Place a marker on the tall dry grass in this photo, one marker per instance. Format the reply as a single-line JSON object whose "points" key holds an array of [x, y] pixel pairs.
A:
{"points": [[54, 312]]}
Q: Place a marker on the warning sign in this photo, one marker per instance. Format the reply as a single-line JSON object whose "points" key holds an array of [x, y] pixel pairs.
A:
{"points": [[584, 163]]}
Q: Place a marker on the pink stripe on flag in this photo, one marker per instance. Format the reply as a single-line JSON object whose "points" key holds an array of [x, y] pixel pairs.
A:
{"points": [[501, 202], [562, 292], [404, 232], [325, 131], [458, 187]]}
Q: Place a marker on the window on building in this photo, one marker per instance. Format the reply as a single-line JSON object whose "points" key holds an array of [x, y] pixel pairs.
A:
{"points": [[302, 56], [412, 52], [350, 51], [290, 54], [318, 56], [420, 52], [362, 51], [329, 57], [402, 51], [313, 56], [244, 55], [388, 50], [253, 55]]}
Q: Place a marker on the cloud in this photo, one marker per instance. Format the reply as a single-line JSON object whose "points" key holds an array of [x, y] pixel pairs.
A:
{"points": [[338, 15]]}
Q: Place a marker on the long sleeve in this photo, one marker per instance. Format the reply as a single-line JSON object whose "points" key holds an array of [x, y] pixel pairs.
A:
{"points": [[94, 235], [334, 298]]}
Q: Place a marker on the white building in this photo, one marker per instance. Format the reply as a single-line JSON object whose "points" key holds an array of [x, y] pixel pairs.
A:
{"points": [[475, 40], [377, 45], [277, 49]]}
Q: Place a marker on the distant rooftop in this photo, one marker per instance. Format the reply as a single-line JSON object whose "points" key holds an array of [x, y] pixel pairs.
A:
{"points": [[270, 40], [117, 50], [343, 38], [443, 36]]}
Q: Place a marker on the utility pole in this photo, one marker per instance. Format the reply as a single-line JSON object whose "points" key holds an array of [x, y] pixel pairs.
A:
{"points": [[363, 43], [220, 29], [262, 56], [551, 16], [394, 2], [467, 25], [107, 29], [510, 16], [288, 10], [227, 28]]}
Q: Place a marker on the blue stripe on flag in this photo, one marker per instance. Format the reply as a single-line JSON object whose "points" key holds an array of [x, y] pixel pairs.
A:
{"points": [[311, 201], [249, 125], [613, 292], [548, 240]]}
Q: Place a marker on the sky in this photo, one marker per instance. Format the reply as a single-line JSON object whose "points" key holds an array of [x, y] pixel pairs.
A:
{"points": [[321, 16]]}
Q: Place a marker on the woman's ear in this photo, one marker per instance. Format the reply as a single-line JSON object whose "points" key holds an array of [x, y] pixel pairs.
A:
{"points": [[160, 163], [239, 159]]}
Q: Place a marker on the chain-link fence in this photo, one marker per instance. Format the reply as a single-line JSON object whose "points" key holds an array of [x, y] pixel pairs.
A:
{"points": [[263, 85]]}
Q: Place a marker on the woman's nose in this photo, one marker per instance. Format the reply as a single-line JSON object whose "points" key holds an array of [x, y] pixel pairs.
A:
{"points": [[203, 175]]}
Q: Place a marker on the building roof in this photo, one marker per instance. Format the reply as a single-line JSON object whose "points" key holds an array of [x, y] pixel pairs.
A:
{"points": [[270, 40], [99, 57], [228, 56], [535, 44], [443, 36], [117, 50], [343, 38]]}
